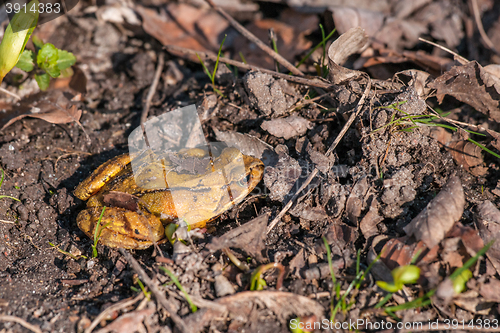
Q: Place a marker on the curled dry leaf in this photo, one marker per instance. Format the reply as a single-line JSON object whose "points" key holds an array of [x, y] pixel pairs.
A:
{"points": [[129, 322], [488, 224], [288, 127], [249, 237], [400, 252], [353, 41], [432, 224], [471, 84], [468, 156]]}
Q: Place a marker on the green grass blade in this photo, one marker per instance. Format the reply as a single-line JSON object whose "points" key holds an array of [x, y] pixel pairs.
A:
{"points": [[181, 288], [323, 42]]}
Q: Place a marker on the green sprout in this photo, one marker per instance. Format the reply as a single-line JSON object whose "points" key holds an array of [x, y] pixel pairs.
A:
{"points": [[181, 288], [98, 232], [321, 44], [16, 36], [408, 274], [212, 75], [147, 294], [428, 120], [67, 253], [459, 278], [258, 283], [1, 182], [50, 61]]}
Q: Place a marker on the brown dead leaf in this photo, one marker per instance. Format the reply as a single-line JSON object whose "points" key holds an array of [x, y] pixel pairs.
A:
{"points": [[184, 26], [468, 156], [288, 127], [491, 290], [357, 200], [290, 28], [400, 252], [432, 224], [249, 237], [353, 41], [280, 178], [369, 222], [488, 223], [53, 106], [129, 322], [472, 302], [122, 200], [473, 85]]}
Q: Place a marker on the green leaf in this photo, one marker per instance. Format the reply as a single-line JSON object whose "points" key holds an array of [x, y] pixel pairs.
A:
{"points": [[405, 274], [15, 38], [47, 59], [38, 42], [26, 61], [460, 281], [43, 80], [390, 287], [65, 59]]}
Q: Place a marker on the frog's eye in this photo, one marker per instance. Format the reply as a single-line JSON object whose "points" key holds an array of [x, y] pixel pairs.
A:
{"points": [[243, 182]]}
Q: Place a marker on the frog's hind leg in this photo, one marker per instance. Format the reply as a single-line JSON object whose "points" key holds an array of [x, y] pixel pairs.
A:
{"points": [[93, 183], [122, 228]]}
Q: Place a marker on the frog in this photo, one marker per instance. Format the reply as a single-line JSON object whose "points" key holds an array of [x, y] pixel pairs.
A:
{"points": [[165, 191]]}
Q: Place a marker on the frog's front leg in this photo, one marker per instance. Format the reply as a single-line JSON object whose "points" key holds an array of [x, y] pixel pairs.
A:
{"points": [[93, 183], [122, 228]]}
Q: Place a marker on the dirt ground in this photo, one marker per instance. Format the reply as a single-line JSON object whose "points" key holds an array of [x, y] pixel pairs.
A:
{"points": [[419, 190]]}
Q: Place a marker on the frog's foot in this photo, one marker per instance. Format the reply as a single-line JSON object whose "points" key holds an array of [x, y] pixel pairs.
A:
{"points": [[122, 228]]}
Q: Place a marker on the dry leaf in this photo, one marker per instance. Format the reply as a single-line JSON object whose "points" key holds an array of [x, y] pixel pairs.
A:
{"points": [[468, 156], [281, 177], [400, 252], [288, 127], [432, 224], [129, 322], [353, 41], [473, 85], [369, 222], [488, 224], [249, 237]]}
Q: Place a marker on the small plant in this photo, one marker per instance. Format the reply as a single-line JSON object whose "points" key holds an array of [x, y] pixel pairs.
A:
{"points": [[16, 36], [212, 75], [147, 294], [181, 288], [1, 182], [50, 61], [98, 232], [258, 283], [321, 67], [67, 253]]}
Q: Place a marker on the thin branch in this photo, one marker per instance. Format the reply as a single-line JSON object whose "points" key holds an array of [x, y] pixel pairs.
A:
{"points": [[154, 289], [10, 93], [477, 18], [21, 322], [463, 60], [313, 174], [251, 37], [152, 88], [181, 51]]}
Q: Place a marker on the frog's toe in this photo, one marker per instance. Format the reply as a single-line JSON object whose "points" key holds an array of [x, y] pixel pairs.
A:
{"points": [[122, 228]]}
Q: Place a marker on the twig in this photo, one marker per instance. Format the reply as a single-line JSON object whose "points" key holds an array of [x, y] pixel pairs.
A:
{"points": [[251, 37], [313, 174], [463, 60], [5, 221], [477, 18], [21, 322], [10, 93], [181, 51], [152, 88], [115, 307], [154, 289]]}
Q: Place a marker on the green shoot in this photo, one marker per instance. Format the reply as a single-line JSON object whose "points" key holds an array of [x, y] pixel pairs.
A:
{"points": [[458, 274], [272, 36], [1, 182], [16, 36], [428, 120], [181, 288], [212, 75], [258, 283], [98, 232], [321, 44], [242, 57], [67, 253], [408, 274], [330, 264], [147, 294], [51, 62]]}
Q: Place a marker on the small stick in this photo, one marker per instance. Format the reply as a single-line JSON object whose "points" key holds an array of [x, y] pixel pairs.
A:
{"points": [[477, 18], [115, 307], [152, 89], [462, 59], [154, 289], [313, 174], [251, 37], [10, 93], [21, 322], [181, 51]]}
